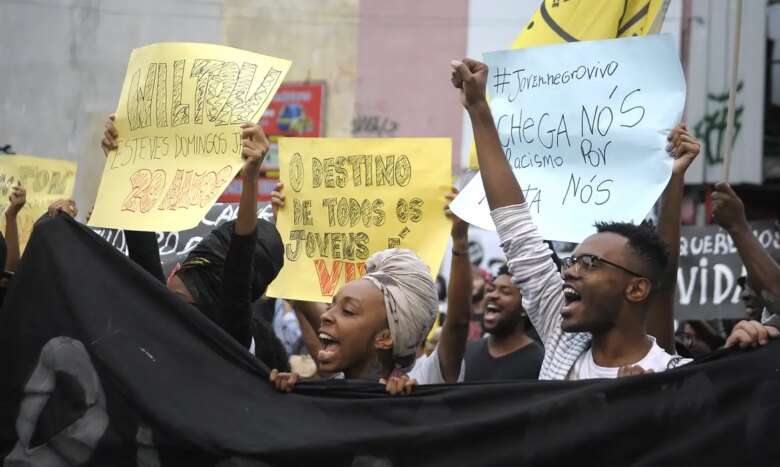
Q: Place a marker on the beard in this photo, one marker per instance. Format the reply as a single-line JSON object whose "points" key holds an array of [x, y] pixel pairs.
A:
{"points": [[505, 326]]}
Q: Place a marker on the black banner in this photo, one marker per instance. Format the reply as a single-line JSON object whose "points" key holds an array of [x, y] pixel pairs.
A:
{"points": [[709, 268], [101, 365], [175, 246]]}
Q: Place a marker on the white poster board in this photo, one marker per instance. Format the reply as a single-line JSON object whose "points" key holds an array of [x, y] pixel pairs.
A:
{"points": [[584, 128]]}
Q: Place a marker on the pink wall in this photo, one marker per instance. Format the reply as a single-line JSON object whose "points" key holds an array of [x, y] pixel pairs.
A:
{"points": [[403, 86]]}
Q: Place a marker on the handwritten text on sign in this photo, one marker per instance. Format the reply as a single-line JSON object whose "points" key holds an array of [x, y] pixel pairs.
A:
{"points": [[583, 126], [709, 267], [45, 180], [349, 198], [179, 137]]}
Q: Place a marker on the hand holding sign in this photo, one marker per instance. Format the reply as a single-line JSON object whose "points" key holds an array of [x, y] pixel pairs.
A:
{"points": [[255, 147], [727, 209], [277, 199], [683, 147], [460, 228], [110, 136]]}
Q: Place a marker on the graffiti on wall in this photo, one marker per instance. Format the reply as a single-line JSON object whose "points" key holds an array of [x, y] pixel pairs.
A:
{"points": [[374, 125], [711, 129]]}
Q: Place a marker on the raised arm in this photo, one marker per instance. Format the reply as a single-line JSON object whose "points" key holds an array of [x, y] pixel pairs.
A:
{"points": [[17, 200], [255, 148], [764, 273], [528, 257], [660, 321], [235, 316], [454, 333], [501, 187]]}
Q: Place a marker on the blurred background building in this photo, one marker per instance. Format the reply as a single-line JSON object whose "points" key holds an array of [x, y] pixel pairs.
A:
{"points": [[363, 68]]}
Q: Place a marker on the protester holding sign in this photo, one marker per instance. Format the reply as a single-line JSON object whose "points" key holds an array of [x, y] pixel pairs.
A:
{"points": [[230, 268], [684, 148], [762, 271], [443, 365], [592, 321]]}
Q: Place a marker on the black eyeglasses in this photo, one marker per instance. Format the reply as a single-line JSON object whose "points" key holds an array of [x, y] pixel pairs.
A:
{"points": [[588, 262]]}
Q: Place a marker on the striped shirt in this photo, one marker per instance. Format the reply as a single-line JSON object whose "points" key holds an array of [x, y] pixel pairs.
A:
{"points": [[533, 270]]}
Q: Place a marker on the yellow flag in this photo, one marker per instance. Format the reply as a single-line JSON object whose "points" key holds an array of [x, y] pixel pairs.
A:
{"points": [[45, 180], [561, 21], [349, 198], [178, 120]]}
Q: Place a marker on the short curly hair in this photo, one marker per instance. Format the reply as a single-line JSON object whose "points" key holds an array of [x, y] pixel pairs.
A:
{"points": [[643, 240]]}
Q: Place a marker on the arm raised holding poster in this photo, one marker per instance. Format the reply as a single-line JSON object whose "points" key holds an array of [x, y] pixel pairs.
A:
{"points": [[592, 316], [763, 272], [232, 266], [684, 148]]}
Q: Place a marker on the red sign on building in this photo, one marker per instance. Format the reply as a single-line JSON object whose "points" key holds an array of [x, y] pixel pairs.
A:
{"points": [[297, 109]]}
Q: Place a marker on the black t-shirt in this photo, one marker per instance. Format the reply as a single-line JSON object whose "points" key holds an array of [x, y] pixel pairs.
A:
{"points": [[524, 363]]}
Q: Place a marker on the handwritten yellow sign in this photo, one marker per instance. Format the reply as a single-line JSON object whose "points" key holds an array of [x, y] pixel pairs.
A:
{"points": [[179, 137], [349, 198], [45, 180]]}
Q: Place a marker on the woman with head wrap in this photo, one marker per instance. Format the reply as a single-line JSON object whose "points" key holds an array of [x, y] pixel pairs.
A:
{"points": [[233, 266], [376, 326]]}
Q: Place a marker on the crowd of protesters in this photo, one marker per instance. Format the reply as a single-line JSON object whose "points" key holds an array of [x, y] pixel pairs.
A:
{"points": [[606, 311]]}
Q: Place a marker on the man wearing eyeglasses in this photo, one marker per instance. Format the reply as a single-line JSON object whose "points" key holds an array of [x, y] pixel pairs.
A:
{"points": [[592, 316]]}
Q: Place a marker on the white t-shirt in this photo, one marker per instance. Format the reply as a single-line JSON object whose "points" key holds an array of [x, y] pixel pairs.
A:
{"points": [[656, 359], [427, 370]]}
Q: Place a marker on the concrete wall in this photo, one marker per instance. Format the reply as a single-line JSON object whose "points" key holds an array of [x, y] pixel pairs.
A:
{"points": [[62, 63], [319, 36], [403, 88]]}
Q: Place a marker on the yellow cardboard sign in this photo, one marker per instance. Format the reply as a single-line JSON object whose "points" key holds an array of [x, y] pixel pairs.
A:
{"points": [[179, 136], [349, 198], [45, 180]]}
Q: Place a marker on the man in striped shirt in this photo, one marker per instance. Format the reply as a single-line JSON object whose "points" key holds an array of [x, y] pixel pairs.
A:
{"points": [[592, 317]]}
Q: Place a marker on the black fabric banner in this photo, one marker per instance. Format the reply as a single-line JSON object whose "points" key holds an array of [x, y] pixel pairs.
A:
{"points": [[101, 365], [175, 246]]}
